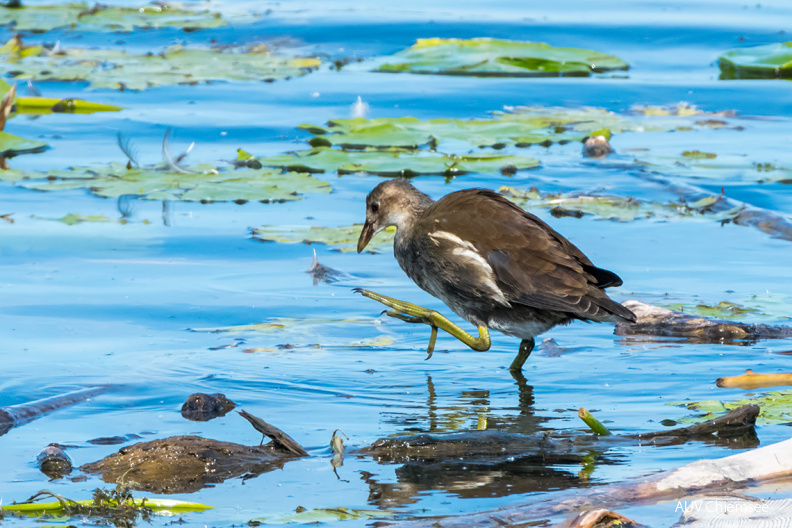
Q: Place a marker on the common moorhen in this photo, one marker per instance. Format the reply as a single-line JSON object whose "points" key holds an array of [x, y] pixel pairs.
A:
{"points": [[492, 263]]}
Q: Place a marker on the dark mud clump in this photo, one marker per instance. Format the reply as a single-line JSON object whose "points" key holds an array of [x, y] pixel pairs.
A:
{"points": [[203, 407], [184, 464]]}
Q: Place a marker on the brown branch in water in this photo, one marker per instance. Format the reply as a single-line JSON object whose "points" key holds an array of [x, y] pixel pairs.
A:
{"points": [[6, 105], [280, 439], [736, 422], [657, 321], [752, 380]]}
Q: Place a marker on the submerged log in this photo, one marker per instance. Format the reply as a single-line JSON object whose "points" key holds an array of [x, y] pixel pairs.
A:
{"points": [[54, 462], [736, 423], [470, 444], [15, 415], [658, 321]]}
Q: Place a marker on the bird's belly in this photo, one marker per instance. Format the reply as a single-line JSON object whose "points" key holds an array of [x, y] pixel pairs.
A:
{"points": [[525, 322]]}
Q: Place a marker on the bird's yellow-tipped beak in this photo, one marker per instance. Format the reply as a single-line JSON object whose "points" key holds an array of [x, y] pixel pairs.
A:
{"points": [[365, 236]]}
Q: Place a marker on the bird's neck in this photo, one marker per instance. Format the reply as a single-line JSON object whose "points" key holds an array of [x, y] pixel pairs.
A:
{"points": [[412, 209]]}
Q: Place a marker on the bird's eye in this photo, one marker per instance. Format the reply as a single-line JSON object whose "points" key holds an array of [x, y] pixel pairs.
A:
{"points": [[374, 207]]}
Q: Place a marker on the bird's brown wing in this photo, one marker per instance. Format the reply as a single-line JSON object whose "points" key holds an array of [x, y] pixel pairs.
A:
{"points": [[533, 264]]}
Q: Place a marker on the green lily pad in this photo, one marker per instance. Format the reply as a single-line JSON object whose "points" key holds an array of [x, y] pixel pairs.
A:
{"points": [[162, 506], [410, 132], [396, 162], [343, 239], [519, 126], [486, 57], [177, 65], [323, 515], [11, 145], [771, 61], [776, 407], [621, 209], [46, 105], [79, 16], [204, 183]]}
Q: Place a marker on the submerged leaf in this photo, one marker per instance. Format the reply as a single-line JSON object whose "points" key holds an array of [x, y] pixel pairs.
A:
{"points": [[622, 209], [487, 57], [344, 238], [771, 61], [322, 515], [395, 162]]}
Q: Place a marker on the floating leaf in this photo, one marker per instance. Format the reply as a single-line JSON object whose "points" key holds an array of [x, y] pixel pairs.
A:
{"points": [[204, 184], [11, 145], [344, 238], [162, 506], [410, 132], [771, 61], [395, 162], [46, 105], [176, 65], [322, 515], [79, 16], [519, 126], [776, 407], [488, 57]]}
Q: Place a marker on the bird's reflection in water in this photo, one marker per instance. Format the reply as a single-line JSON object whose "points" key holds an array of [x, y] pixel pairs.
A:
{"points": [[444, 451], [469, 410]]}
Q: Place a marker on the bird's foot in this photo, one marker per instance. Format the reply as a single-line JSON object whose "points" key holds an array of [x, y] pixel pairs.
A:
{"points": [[413, 313]]}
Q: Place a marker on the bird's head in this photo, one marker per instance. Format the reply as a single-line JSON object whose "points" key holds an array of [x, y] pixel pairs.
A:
{"points": [[391, 203]]}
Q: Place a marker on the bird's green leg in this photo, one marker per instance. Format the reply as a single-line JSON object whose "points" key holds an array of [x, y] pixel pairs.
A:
{"points": [[526, 347], [412, 313]]}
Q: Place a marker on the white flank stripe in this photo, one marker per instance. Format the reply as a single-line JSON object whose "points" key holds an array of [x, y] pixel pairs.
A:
{"points": [[453, 238], [467, 251]]}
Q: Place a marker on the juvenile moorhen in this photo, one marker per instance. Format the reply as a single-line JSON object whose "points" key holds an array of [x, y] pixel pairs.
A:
{"points": [[492, 263]]}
